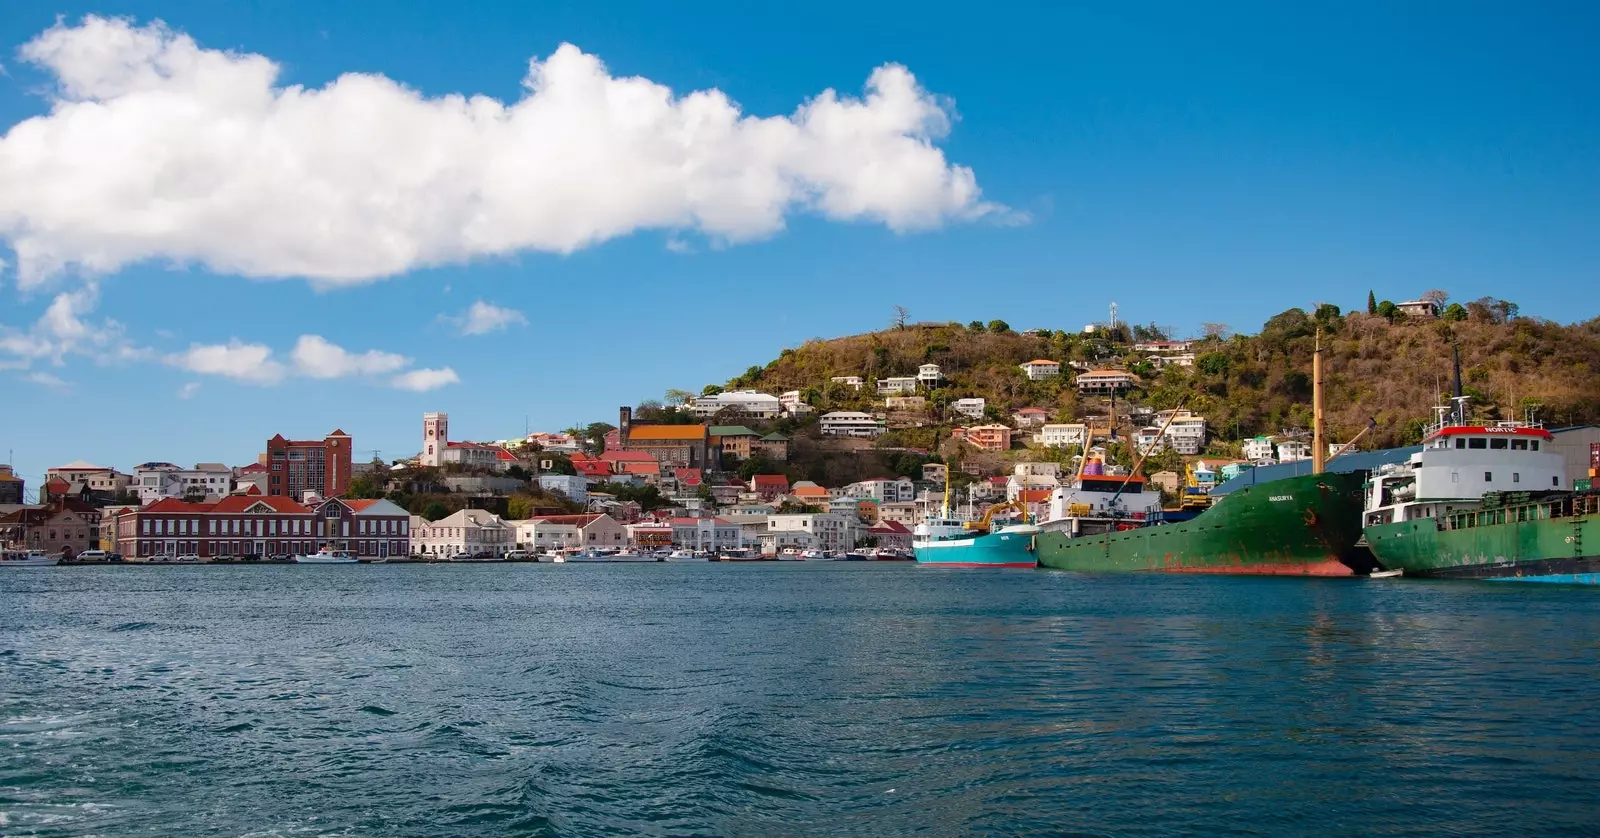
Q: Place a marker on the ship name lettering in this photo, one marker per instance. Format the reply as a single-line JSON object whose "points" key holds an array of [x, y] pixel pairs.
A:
{"points": [[1280, 498]]}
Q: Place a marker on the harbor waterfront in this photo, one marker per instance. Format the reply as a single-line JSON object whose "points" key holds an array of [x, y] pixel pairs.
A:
{"points": [[788, 698]]}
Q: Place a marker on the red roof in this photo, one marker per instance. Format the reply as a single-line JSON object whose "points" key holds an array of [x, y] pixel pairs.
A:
{"points": [[628, 457], [998, 481], [592, 468], [651, 467], [1033, 411], [890, 528], [779, 481], [356, 505], [688, 476], [175, 505], [1033, 495], [239, 503], [252, 468], [1042, 361], [578, 520]]}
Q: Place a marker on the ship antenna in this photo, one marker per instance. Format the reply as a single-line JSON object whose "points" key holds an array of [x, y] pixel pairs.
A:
{"points": [[1455, 391], [1319, 454]]}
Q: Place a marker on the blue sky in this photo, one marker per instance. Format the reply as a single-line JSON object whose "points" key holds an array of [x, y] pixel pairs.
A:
{"points": [[1215, 163]]}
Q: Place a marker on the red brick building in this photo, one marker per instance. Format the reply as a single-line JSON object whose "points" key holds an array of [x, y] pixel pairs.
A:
{"points": [[261, 525], [299, 466]]}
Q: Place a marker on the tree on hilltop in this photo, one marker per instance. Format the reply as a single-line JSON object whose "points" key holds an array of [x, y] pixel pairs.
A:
{"points": [[901, 314]]}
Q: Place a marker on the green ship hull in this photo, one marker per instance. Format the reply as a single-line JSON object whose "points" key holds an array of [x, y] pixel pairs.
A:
{"points": [[1553, 540], [1298, 526]]}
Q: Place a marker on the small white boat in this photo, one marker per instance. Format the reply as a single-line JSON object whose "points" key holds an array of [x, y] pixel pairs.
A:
{"points": [[687, 556], [326, 556], [1386, 574], [631, 556], [27, 558]]}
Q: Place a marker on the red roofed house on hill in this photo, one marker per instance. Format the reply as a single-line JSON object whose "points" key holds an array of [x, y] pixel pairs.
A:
{"points": [[297, 467], [769, 486]]}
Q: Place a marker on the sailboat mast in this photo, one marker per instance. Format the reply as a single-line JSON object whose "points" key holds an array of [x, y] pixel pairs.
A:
{"points": [[1319, 451]]}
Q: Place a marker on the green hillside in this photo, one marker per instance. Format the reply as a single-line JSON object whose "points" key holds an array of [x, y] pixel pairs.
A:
{"points": [[1389, 368]]}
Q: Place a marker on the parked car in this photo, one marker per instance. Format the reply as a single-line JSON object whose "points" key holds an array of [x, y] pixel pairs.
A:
{"points": [[483, 554], [519, 556], [88, 556], [188, 558], [280, 557], [114, 557]]}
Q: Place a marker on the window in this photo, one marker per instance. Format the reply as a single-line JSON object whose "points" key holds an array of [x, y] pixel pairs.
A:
{"points": [[1498, 444], [1516, 477], [1488, 477], [1554, 481], [1477, 442], [1455, 477], [1519, 445], [146, 527]]}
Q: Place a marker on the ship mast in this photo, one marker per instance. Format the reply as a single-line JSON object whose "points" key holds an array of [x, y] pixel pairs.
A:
{"points": [[1319, 451]]}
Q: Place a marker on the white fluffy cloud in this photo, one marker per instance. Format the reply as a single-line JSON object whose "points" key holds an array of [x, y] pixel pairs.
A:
{"points": [[421, 381], [313, 356], [156, 148], [237, 360], [481, 318]]}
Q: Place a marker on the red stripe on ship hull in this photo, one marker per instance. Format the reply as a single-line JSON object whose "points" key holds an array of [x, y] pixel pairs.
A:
{"points": [[1327, 567], [978, 564]]}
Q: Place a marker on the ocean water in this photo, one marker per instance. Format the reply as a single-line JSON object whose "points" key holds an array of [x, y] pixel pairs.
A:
{"points": [[788, 699]]}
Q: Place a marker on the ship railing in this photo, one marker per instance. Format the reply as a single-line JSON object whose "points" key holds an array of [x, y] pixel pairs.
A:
{"points": [[1453, 422]]}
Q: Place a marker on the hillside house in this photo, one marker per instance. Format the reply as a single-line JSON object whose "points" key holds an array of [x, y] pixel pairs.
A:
{"points": [[1030, 417], [1258, 449], [1041, 369], [751, 403], [929, 376], [897, 385], [851, 381], [971, 407], [1105, 382], [850, 423], [1419, 309], [1062, 435], [988, 437]]}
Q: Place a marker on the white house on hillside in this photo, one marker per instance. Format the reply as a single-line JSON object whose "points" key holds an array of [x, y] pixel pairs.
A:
{"points": [[1258, 448], [928, 375], [896, 385], [742, 402], [1062, 435], [1041, 369], [850, 423], [972, 406]]}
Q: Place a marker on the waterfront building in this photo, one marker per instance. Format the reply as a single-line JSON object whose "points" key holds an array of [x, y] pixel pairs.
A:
{"points": [[469, 531], [816, 530], [709, 534], [595, 530], [298, 468], [62, 527], [542, 536], [1041, 369], [369, 528], [238, 525], [850, 423]]}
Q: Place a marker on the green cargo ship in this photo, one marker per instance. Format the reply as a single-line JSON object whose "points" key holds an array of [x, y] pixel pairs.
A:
{"points": [[1537, 541], [1483, 502], [1299, 526]]}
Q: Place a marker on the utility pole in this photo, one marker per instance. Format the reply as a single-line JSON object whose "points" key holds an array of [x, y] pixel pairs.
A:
{"points": [[1319, 452]]}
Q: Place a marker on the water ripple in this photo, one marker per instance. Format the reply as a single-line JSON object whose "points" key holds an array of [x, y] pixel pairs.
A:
{"points": [[809, 700]]}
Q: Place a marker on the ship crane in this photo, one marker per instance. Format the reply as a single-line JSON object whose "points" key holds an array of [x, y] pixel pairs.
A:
{"points": [[982, 524]]}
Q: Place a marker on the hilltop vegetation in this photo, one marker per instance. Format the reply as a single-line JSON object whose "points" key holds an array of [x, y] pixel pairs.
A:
{"points": [[1380, 365]]}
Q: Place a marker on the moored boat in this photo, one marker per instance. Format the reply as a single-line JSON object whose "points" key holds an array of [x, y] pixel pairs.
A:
{"points": [[27, 558], [327, 556], [1483, 501], [1301, 526], [947, 542], [679, 556]]}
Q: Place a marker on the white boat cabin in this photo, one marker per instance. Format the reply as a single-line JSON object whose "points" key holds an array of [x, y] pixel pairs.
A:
{"points": [[1457, 465]]}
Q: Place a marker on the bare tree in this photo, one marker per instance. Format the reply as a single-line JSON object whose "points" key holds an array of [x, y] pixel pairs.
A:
{"points": [[1436, 296], [901, 313], [1216, 330]]}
